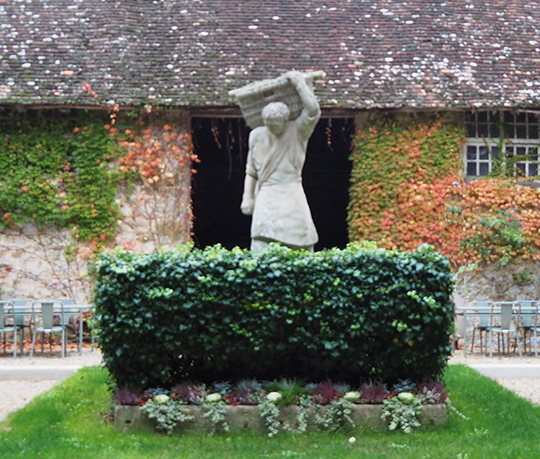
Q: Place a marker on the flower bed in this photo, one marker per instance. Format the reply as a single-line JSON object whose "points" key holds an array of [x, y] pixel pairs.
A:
{"points": [[277, 406], [244, 417]]}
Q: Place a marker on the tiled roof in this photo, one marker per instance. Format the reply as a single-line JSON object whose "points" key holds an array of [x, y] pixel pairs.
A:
{"points": [[189, 53]]}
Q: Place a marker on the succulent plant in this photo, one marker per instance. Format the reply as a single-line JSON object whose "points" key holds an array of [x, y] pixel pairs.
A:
{"points": [[403, 385]]}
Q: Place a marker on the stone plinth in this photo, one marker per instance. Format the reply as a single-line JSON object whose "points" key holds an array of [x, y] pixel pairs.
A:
{"points": [[243, 418]]}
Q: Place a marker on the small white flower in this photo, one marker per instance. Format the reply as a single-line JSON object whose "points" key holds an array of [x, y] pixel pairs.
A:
{"points": [[213, 398], [352, 396], [162, 398], [352, 440], [274, 396]]}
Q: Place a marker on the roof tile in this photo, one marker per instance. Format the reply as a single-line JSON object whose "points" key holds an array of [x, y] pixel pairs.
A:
{"points": [[186, 53]]}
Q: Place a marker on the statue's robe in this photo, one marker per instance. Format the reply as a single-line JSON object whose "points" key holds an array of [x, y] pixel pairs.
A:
{"points": [[281, 212]]}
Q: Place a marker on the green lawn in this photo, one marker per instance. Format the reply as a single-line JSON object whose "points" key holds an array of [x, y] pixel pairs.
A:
{"points": [[71, 421]]}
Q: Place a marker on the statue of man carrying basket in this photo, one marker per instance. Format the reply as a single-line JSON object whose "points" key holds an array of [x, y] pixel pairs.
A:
{"points": [[273, 191]]}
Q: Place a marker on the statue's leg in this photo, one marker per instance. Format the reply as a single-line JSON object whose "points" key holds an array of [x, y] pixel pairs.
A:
{"points": [[258, 246]]}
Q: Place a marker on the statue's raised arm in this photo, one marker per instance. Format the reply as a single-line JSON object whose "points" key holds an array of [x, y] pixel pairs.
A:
{"points": [[273, 191], [300, 81]]}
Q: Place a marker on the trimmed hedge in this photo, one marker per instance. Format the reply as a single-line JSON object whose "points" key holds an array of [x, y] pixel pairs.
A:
{"points": [[215, 314]]}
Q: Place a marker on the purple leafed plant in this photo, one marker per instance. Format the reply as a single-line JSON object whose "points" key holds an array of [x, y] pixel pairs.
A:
{"points": [[247, 392], [324, 392], [191, 392], [374, 392], [125, 397], [432, 392], [244, 397]]}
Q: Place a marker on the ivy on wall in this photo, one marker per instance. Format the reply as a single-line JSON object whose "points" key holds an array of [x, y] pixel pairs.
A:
{"points": [[159, 160], [87, 182], [501, 221], [407, 189], [66, 170], [404, 168], [55, 169]]}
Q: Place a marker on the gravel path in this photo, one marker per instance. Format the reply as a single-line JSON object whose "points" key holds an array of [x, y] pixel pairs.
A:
{"points": [[14, 394]]}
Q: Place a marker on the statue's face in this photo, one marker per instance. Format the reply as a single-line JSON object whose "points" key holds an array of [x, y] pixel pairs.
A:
{"points": [[275, 125]]}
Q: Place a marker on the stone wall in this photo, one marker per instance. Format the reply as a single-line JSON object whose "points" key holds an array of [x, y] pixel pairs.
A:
{"points": [[518, 280], [49, 263]]}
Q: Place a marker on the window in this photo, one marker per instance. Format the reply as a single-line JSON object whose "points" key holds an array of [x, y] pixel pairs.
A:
{"points": [[516, 134]]}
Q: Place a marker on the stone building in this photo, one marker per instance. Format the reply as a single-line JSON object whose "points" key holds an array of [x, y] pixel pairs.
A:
{"points": [[165, 67]]}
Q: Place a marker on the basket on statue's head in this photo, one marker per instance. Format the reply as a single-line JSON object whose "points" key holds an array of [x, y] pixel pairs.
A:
{"points": [[255, 96]]}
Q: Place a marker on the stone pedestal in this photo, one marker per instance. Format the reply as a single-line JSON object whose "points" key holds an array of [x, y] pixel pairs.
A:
{"points": [[243, 418]]}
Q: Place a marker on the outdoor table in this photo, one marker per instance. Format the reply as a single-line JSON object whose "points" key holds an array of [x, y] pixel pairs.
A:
{"points": [[78, 310]]}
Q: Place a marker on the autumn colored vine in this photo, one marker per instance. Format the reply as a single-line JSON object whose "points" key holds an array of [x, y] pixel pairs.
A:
{"points": [[404, 169], [159, 160], [65, 185], [501, 221], [407, 189]]}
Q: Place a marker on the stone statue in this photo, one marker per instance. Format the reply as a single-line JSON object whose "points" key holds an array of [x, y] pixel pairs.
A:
{"points": [[273, 191]]}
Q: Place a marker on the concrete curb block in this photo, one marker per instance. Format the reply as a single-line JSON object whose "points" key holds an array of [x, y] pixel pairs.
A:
{"points": [[37, 373]]}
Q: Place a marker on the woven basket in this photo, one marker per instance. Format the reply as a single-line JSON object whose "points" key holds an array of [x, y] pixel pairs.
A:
{"points": [[255, 96]]}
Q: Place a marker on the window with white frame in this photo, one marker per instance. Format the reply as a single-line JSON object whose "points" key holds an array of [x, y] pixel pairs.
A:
{"points": [[503, 137]]}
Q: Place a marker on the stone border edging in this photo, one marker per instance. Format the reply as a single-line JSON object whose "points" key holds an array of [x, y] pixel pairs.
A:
{"points": [[242, 418]]}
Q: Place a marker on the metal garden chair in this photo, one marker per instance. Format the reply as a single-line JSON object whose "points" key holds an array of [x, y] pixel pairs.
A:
{"points": [[7, 311], [528, 311], [504, 320], [43, 318]]}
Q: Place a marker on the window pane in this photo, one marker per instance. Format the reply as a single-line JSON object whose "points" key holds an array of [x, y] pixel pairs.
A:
{"points": [[510, 131], [471, 169], [484, 169], [482, 130], [533, 152], [533, 131], [508, 117], [469, 117], [471, 153], [521, 118], [495, 152], [482, 117], [533, 169], [495, 132], [521, 169], [532, 119], [521, 131], [483, 153], [520, 150], [471, 130]]}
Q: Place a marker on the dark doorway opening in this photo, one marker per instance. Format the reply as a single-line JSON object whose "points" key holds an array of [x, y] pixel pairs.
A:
{"points": [[222, 147]]}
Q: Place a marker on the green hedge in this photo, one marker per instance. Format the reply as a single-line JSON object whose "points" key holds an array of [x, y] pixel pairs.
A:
{"points": [[216, 314]]}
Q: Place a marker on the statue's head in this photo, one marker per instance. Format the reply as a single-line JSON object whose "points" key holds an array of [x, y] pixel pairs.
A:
{"points": [[275, 116]]}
